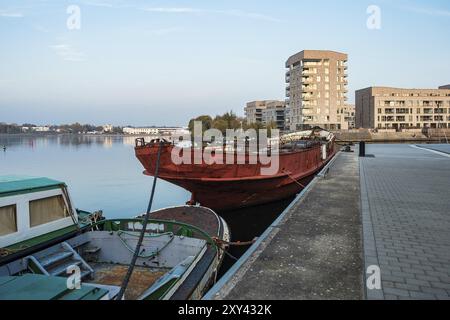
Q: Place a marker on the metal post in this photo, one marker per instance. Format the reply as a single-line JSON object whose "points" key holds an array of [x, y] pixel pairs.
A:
{"points": [[362, 149]]}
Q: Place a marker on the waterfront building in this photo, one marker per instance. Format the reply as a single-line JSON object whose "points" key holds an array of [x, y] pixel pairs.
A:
{"points": [[41, 129], [316, 88], [155, 130], [254, 111], [397, 108], [275, 113], [346, 116], [265, 112], [108, 128], [140, 130]]}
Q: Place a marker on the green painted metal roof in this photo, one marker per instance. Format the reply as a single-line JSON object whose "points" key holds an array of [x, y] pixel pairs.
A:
{"points": [[22, 184], [40, 287]]}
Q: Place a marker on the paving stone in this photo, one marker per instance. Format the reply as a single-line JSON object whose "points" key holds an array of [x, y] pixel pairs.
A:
{"points": [[406, 204]]}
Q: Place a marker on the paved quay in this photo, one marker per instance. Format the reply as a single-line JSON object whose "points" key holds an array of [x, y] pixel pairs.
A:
{"points": [[390, 209], [314, 251], [405, 197]]}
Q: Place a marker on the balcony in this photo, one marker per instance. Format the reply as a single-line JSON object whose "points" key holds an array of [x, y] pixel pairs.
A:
{"points": [[307, 72]]}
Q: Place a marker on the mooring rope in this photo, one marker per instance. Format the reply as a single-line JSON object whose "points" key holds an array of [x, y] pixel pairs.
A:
{"points": [[126, 280], [293, 179]]}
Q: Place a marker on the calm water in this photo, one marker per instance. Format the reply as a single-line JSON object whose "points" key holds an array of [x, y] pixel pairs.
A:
{"points": [[102, 173]]}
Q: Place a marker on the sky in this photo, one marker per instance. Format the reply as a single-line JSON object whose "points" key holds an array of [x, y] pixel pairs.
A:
{"points": [[136, 62]]}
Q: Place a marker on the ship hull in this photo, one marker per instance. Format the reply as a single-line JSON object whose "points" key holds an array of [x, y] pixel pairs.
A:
{"points": [[224, 187]]}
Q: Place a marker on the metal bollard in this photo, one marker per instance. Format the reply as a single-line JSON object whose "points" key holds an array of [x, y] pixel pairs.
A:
{"points": [[362, 149]]}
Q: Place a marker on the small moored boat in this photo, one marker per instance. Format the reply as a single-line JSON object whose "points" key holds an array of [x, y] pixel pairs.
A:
{"points": [[50, 250]]}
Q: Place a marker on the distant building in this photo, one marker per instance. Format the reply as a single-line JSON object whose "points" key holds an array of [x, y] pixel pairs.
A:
{"points": [[108, 128], [254, 111], [265, 112], [41, 129], [275, 112], [395, 108], [155, 130], [445, 87], [346, 116], [141, 130], [316, 88]]}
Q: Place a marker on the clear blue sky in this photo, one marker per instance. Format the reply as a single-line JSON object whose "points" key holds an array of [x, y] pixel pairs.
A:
{"points": [[162, 62]]}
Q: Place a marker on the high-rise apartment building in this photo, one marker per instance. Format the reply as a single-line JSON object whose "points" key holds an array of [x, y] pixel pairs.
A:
{"points": [[394, 108], [316, 88]]}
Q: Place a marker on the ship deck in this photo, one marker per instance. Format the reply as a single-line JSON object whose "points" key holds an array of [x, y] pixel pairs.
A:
{"points": [[113, 275]]}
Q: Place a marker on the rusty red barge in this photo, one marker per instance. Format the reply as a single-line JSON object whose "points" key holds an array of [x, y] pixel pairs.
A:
{"points": [[224, 187]]}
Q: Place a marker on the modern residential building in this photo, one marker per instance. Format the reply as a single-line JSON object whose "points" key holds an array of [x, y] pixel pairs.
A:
{"points": [[275, 112], [316, 88], [346, 116], [254, 110], [395, 108]]}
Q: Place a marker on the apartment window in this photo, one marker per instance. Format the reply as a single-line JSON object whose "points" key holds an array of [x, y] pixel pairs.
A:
{"points": [[327, 71], [327, 102], [327, 79], [379, 110], [8, 220], [327, 94], [338, 87], [327, 87], [47, 210], [318, 78]]}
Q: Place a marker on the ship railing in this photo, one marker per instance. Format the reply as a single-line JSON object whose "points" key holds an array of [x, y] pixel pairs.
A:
{"points": [[154, 227], [139, 142]]}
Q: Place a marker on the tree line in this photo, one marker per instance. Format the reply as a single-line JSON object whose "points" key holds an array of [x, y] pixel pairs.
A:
{"points": [[228, 120]]}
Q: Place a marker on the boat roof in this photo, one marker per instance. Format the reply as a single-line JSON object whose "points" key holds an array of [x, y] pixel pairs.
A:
{"points": [[41, 287], [16, 184]]}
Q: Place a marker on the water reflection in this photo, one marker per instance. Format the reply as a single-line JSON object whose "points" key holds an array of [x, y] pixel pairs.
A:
{"points": [[101, 171], [32, 141]]}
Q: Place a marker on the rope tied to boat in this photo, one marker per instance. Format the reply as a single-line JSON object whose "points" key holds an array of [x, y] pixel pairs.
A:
{"points": [[126, 280], [222, 243], [141, 254], [292, 178], [6, 252]]}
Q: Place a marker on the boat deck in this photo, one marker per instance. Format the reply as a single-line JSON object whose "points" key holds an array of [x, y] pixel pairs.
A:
{"points": [[196, 216], [113, 275]]}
